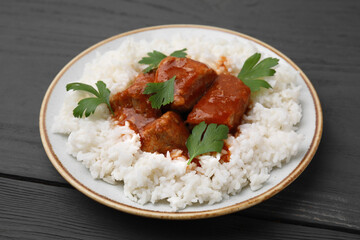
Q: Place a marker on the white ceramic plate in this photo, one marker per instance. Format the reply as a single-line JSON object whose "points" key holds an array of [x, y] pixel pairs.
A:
{"points": [[78, 176]]}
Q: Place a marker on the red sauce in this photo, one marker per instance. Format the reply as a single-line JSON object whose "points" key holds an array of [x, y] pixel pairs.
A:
{"points": [[220, 65], [196, 161], [133, 106], [136, 120], [225, 157]]}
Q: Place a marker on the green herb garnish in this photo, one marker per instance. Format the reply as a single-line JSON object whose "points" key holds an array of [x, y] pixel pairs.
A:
{"points": [[155, 57], [179, 53], [88, 105], [210, 140], [164, 92], [251, 73]]}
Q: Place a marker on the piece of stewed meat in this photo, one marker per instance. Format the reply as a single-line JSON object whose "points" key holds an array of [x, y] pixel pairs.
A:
{"points": [[224, 103], [133, 106], [164, 134], [193, 78]]}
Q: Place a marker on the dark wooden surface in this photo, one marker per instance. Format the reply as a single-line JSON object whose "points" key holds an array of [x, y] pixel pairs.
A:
{"points": [[37, 38]]}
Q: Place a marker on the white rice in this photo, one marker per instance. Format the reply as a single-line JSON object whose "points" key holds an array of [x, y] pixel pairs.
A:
{"points": [[268, 135]]}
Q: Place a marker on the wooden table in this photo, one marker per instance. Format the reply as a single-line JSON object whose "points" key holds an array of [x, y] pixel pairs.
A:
{"points": [[37, 38]]}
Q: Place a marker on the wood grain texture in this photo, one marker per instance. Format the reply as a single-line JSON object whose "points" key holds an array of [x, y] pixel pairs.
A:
{"points": [[37, 38], [37, 211]]}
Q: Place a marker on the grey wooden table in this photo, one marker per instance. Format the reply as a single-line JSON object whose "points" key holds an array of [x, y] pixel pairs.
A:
{"points": [[37, 38]]}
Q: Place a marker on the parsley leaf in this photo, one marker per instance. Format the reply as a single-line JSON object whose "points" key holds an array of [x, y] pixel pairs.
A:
{"points": [[153, 60], [210, 140], [164, 92], [88, 105], [179, 53], [155, 57], [252, 72]]}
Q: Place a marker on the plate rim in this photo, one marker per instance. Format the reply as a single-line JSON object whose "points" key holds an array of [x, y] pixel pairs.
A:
{"points": [[190, 214]]}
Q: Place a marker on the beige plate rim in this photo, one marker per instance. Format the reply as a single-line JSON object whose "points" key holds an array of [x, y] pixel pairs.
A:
{"points": [[192, 214]]}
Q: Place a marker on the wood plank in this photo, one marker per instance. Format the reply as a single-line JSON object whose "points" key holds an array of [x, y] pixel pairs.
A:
{"points": [[37, 211], [39, 37]]}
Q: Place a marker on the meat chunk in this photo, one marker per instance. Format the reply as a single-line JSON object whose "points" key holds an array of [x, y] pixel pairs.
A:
{"points": [[192, 80], [140, 101], [133, 106], [224, 103], [164, 134]]}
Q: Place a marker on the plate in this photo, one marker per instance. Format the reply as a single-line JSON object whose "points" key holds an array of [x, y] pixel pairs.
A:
{"points": [[79, 177]]}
